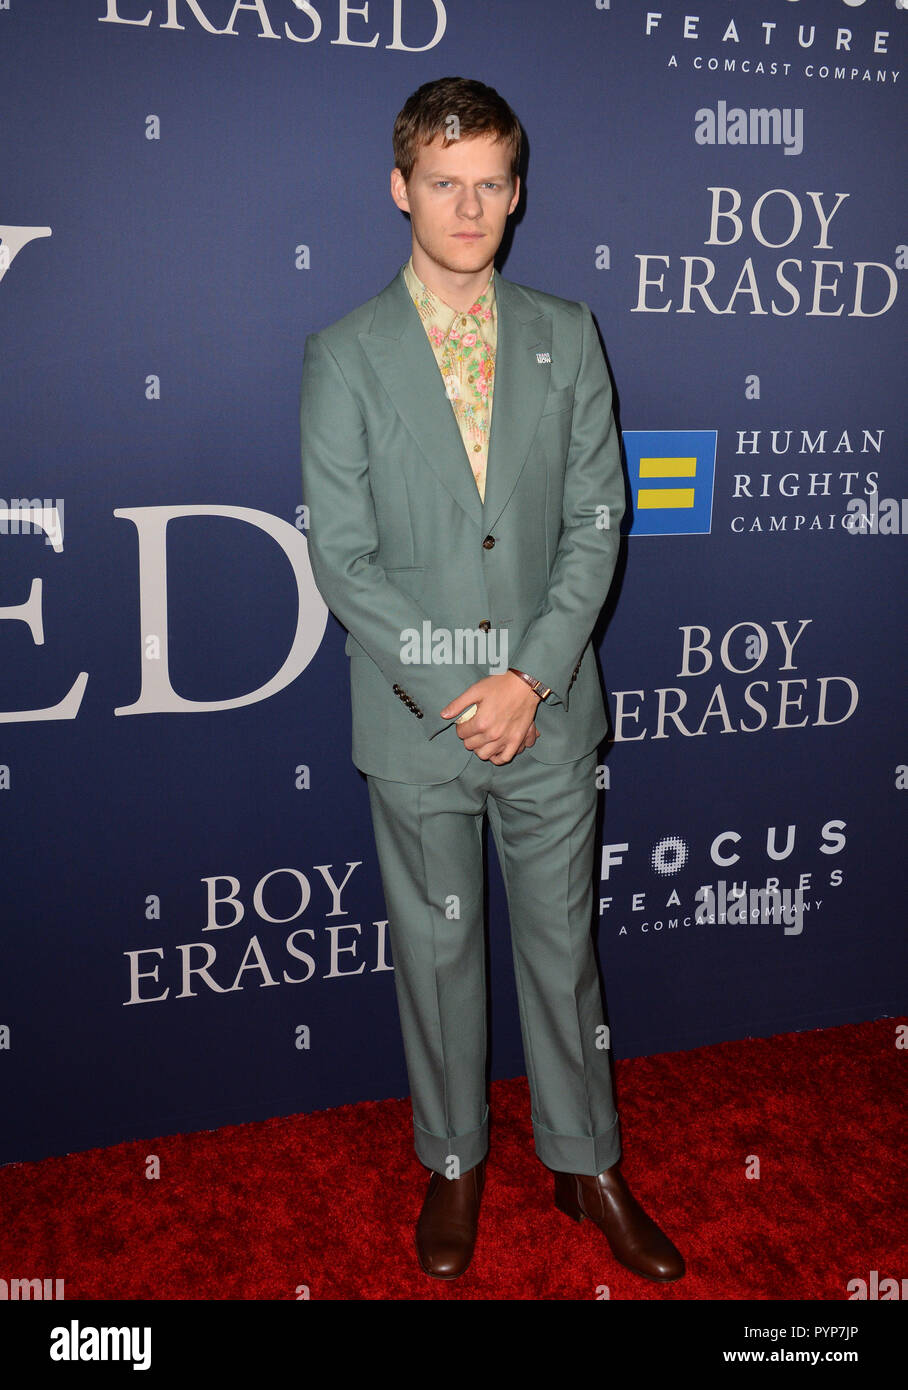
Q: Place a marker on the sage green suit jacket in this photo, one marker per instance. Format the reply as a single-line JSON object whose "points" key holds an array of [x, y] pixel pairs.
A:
{"points": [[399, 537]]}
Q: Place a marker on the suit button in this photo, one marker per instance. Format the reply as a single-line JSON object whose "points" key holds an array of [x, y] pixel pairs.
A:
{"points": [[485, 625], [488, 543]]}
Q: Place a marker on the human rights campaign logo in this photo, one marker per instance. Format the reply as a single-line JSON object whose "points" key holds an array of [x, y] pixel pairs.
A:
{"points": [[671, 475]]}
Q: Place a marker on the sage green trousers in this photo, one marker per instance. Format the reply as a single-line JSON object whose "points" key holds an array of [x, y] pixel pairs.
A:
{"points": [[429, 841]]}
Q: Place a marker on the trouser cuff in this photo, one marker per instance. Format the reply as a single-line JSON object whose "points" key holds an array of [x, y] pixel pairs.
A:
{"points": [[569, 1153], [437, 1151]]}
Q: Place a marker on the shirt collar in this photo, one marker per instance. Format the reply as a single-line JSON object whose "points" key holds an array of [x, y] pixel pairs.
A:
{"points": [[434, 311]]}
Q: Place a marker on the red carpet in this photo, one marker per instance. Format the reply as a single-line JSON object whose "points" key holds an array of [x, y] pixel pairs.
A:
{"points": [[329, 1200]]}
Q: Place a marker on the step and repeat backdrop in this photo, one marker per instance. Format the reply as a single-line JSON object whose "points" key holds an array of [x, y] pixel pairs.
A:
{"points": [[193, 927]]}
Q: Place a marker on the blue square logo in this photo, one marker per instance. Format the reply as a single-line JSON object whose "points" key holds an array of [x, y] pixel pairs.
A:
{"points": [[671, 475]]}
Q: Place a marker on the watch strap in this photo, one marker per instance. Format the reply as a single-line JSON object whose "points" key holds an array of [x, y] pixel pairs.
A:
{"points": [[535, 685]]}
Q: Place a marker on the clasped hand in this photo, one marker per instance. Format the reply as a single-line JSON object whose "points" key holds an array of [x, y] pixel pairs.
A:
{"points": [[503, 723]]}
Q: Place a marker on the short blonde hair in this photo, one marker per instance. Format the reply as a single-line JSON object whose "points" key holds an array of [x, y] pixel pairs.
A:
{"points": [[426, 114]]}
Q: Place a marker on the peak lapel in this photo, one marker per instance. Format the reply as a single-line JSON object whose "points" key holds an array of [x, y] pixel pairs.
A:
{"points": [[521, 386], [400, 353]]}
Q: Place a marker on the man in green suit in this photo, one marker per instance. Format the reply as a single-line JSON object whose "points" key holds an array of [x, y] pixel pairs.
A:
{"points": [[461, 466]]}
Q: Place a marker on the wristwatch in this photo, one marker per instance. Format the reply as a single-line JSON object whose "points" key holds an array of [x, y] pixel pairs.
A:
{"points": [[537, 686]]}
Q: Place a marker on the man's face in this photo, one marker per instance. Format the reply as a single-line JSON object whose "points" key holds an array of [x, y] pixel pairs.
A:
{"points": [[459, 199]]}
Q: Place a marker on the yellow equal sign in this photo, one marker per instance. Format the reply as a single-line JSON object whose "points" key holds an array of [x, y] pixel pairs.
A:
{"points": [[675, 497]]}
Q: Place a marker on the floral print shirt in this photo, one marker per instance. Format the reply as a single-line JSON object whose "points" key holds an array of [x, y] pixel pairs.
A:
{"points": [[464, 343]]}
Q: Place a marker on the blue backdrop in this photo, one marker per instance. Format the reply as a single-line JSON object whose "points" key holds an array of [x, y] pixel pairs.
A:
{"points": [[193, 929]]}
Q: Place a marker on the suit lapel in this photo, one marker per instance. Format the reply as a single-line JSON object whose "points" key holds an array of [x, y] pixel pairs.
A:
{"points": [[402, 357], [521, 386]]}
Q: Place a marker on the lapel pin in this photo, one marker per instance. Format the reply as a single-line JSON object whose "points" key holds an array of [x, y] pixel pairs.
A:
{"points": [[544, 357]]}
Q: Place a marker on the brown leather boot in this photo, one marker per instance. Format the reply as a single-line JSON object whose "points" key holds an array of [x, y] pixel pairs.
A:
{"points": [[635, 1239], [447, 1225]]}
